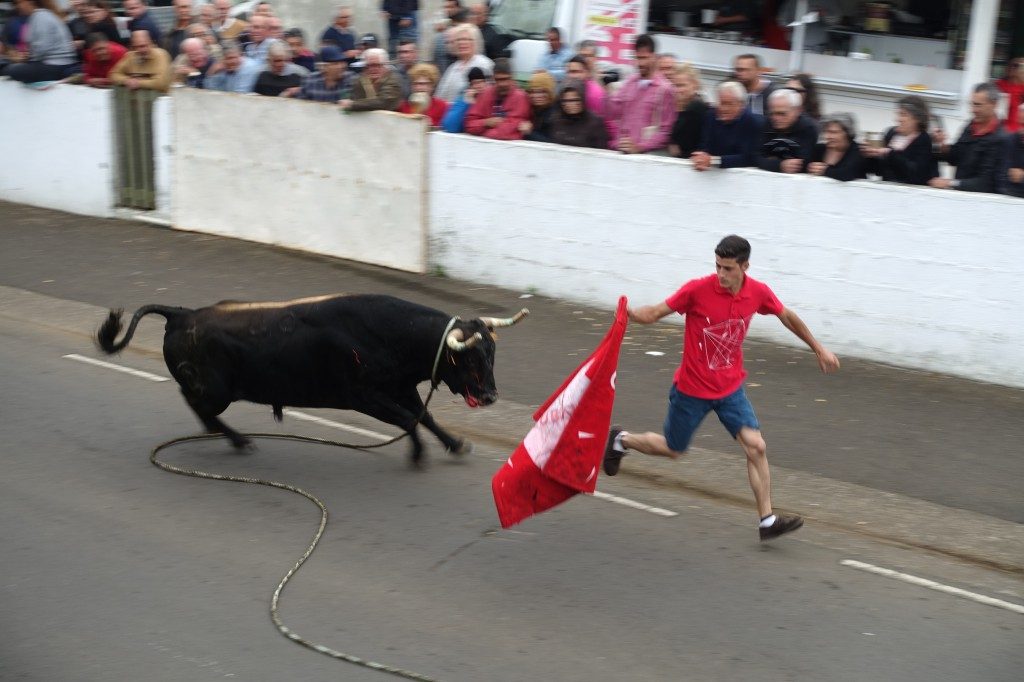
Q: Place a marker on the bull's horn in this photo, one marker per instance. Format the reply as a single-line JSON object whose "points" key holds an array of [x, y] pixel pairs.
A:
{"points": [[494, 322], [456, 343]]}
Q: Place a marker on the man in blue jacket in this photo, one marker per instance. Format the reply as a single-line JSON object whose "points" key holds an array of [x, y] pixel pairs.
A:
{"points": [[732, 133]]}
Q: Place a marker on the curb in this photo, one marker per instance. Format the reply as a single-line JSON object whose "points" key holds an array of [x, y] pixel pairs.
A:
{"points": [[881, 515]]}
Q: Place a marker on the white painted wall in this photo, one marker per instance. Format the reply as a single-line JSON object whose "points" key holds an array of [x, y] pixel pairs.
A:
{"points": [[302, 175], [58, 148], [916, 277]]}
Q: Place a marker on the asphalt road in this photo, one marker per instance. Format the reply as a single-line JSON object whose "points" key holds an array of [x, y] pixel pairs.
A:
{"points": [[112, 569], [931, 437]]}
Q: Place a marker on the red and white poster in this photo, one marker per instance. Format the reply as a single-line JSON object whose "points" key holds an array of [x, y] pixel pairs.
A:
{"points": [[613, 25], [561, 455]]}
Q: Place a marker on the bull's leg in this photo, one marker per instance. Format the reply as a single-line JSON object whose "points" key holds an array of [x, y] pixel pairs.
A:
{"points": [[414, 404], [389, 411], [207, 408]]}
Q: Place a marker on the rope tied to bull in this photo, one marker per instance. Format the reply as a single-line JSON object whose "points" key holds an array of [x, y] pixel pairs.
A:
{"points": [[276, 598]]}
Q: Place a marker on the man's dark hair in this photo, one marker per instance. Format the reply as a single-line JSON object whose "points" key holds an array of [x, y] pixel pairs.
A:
{"points": [[406, 41], [556, 31], [748, 55], [644, 42], [461, 16], [295, 33], [735, 247], [579, 60], [503, 66]]}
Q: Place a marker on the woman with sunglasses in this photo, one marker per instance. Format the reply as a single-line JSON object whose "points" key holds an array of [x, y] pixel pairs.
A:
{"points": [[572, 124], [804, 84]]}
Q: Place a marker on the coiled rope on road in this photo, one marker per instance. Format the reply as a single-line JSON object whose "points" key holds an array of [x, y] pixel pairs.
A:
{"points": [[276, 599]]}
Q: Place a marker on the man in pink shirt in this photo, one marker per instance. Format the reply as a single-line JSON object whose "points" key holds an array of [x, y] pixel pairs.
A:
{"points": [[642, 111], [718, 309]]}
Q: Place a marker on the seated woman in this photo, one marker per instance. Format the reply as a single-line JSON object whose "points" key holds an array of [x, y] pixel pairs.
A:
{"points": [[541, 91], [838, 157], [51, 52], [906, 155], [423, 79], [691, 111], [572, 124]]}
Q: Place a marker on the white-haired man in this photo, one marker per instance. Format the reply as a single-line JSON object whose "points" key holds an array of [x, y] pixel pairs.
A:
{"points": [[789, 136], [282, 77], [377, 88], [192, 65], [731, 132]]}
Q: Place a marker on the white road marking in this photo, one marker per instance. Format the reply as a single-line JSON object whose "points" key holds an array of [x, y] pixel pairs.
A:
{"points": [[118, 368], [302, 416], [634, 504], [932, 585], [336, 425]]}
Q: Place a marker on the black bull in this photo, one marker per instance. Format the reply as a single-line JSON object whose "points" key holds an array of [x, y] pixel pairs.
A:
{"points": [[365, 353]]}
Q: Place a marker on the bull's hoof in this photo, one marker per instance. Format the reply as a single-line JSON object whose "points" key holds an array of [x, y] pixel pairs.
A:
{"points": [[465, 447]]}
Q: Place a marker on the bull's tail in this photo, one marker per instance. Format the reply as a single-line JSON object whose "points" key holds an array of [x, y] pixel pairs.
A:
{"points": [[112, 326]]}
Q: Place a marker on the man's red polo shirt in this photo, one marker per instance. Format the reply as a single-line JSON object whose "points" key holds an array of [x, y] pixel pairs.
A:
{"points": [[716, 324], [94, 68]]}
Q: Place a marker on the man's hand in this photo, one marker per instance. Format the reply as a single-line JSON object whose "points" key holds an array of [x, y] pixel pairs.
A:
{"points": [[345, 104], [827, 361], [701, 161], [405, 23], [525, 127], [493, 122], [290, 92], [1016, 175], [132, 84], [939, 137], [817, 168], [940, 183], [791, 165]]}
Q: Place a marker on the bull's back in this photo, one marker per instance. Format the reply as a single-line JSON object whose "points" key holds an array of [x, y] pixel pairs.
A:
{"points": [[320, 351]]}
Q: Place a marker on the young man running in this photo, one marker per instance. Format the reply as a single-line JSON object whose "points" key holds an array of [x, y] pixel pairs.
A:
{"points": [[718, 309]]}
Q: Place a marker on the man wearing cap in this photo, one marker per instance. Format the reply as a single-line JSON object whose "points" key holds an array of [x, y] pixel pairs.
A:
{"points": [[332, 83], [377, 87]]}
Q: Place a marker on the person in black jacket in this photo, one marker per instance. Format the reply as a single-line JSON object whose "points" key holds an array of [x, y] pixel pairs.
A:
{"points": [[573, 125], [838, 157], [906, 153], [692, 110], [979, 154], [787, 123]]}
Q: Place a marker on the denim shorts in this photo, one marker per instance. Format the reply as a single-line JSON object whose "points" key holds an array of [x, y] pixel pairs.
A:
{"points": [[685, 413]]}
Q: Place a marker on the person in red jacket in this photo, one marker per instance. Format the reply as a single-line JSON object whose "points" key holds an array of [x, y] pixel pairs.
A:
{"points": [[100, 56], [499, 109], [1013, 85]]}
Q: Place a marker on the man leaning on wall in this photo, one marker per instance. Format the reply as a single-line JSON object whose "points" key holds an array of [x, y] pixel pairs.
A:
{"points": [[145, 67]]}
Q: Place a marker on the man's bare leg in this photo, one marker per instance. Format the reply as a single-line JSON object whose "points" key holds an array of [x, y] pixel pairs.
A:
{"points": [[757, 468], [650, 443]]}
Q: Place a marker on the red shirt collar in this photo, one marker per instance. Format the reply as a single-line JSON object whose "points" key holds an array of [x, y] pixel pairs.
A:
{"points": [[979, 130], [742, 293]]}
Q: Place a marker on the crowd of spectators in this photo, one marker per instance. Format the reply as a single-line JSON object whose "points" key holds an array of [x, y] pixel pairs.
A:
{"points": [[467, 86]]}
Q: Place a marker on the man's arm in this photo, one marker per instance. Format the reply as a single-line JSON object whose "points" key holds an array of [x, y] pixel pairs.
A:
{"points": [[827, 360], [649, 314]]}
